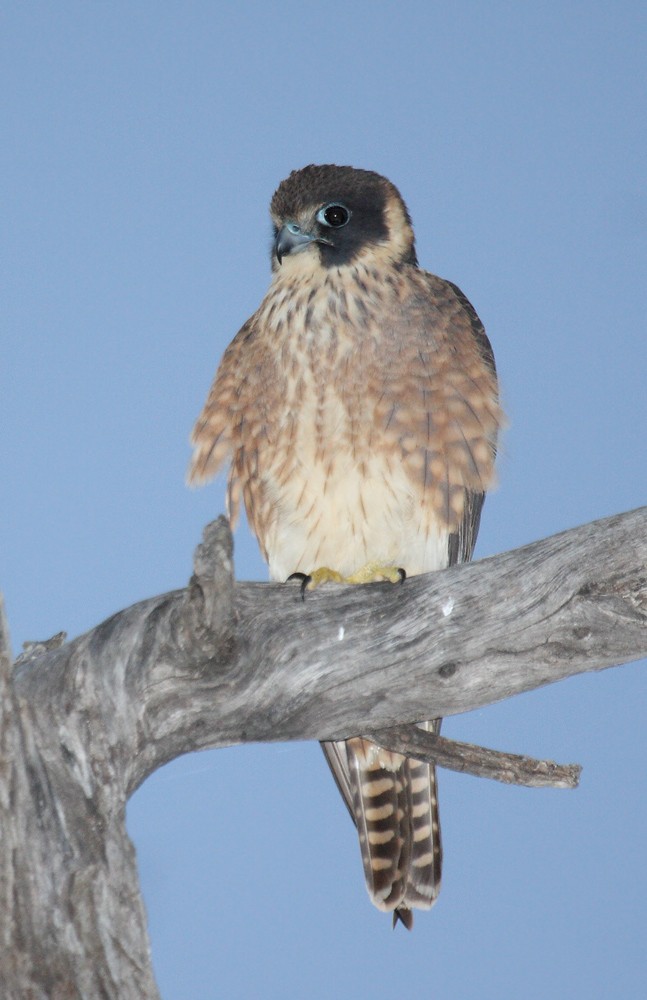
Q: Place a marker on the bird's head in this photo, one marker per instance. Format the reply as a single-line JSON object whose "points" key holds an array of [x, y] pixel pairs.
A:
{"points": [[332, 216]]}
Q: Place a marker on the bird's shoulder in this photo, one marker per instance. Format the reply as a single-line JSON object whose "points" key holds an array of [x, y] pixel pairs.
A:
{"points": [[435, 303], [236, 383]]}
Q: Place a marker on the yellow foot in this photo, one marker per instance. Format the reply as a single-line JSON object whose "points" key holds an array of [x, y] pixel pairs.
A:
{"points": [[323, 575], [373, 572]]}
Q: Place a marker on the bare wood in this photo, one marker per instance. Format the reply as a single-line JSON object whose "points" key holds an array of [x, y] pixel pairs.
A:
{"points": [[510, 768], [11, 773], [218, 664], [72, 920], [357, 659]]}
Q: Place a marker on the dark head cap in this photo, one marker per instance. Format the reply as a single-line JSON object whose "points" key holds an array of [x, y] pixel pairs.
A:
{"points": [[343, 212]]}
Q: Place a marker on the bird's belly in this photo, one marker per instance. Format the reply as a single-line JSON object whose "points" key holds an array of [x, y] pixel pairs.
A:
{"points": [[343, 513]]}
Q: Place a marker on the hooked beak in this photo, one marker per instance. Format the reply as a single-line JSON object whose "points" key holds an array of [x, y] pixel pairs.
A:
{"points": [[290, 239]]}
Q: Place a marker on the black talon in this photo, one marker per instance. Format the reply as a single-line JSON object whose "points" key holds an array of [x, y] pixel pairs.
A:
{"points": [[402, 573], [305, 580]]}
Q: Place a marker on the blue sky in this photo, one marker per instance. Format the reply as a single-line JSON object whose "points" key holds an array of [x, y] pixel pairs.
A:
{"points": [[142, 143]]}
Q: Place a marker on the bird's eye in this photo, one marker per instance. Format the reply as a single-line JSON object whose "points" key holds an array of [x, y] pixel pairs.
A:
{"points": [[334, 215]]}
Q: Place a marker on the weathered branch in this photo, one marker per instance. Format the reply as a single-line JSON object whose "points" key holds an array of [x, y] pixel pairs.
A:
{"points": [[72, 921], [510, 768], [220, 663]]}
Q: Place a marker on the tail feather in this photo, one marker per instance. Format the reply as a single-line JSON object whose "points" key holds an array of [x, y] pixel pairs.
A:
{"points": [[393, 802], [425, 866]]}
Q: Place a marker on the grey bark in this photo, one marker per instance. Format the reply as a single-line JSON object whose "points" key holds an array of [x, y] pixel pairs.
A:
{"points": [[220, 663]]}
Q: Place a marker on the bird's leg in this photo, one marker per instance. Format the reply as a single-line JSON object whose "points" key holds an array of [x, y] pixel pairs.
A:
{"points": [[372, 572]]}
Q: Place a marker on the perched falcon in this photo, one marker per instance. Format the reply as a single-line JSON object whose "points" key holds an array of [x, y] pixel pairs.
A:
{"points": [[359, 409]]}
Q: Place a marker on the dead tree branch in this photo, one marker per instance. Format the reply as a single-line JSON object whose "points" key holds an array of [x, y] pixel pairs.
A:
{"points": [[218, 663], [510, 768]]}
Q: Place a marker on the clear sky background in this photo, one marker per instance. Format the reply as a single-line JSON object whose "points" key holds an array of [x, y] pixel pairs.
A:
{"points": [[141, 145]]}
